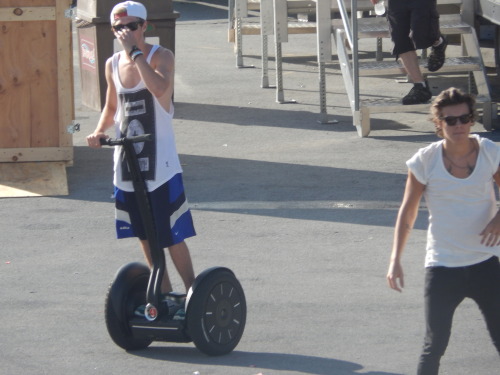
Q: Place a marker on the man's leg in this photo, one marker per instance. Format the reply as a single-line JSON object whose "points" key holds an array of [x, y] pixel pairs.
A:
{"points": [[443, 293], [182, 260], [485, 288], [410, 63], [420, 93]]}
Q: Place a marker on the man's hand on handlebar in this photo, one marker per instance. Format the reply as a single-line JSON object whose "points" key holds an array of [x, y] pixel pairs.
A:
{"points": [[94, 139]]}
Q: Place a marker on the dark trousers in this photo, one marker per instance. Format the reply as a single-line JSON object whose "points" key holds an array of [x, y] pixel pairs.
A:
{"points": [[445, 289], [414, 24]]}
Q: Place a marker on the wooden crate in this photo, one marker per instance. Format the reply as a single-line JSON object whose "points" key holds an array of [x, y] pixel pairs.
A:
{"points": [[36, 92]]}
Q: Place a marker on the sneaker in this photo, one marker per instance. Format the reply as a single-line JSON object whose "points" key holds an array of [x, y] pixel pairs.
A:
{"points": [[437, 56], [176, 305], [419, 94], [180, 314], [177, 297], [173, 306], [139, 311]]}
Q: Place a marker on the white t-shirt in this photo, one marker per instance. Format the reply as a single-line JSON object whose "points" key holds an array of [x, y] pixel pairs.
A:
{"points": [[139, 112], [459, 208]]}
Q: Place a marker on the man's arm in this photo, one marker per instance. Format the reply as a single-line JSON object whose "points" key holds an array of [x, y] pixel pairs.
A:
{"points": [[490, 235], [107, 116], [159, 76], [404, 224]]}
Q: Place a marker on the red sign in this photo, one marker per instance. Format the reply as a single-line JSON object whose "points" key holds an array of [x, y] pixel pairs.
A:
{"points": [[88, 54]]}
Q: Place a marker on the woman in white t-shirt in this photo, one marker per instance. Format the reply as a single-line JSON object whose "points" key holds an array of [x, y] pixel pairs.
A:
{"points": [[455, 175]]}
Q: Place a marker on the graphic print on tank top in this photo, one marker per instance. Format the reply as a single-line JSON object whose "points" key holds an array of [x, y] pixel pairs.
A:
{"points": [[138, 119]]}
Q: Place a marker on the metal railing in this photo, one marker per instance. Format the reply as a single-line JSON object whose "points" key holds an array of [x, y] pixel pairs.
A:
{"points": [[351, 32]]}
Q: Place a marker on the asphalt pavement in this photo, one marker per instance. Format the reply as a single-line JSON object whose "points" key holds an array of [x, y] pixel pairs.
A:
{"points": [[302, 212]]}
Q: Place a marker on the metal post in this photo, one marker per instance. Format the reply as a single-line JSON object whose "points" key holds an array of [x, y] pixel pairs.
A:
{"points": [[355, 62], [280, 96], [280, 36], [265, 65]]}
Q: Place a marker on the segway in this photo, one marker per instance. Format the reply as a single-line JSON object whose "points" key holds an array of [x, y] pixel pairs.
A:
{"points": [[215, 305]]}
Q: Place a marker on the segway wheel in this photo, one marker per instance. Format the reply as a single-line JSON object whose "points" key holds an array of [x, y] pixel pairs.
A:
{"points": [[119, 309], [216, 313]]}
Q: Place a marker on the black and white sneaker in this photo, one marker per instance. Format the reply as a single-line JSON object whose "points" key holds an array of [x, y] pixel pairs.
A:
{"points": [[437, 56], [419, 94]]}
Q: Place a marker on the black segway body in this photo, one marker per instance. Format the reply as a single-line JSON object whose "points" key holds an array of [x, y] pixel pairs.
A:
{"points": [[215, 305], [215, 312]]}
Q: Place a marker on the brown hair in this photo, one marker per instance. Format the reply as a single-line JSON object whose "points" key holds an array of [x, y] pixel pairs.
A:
{"points": [[451, 96]]}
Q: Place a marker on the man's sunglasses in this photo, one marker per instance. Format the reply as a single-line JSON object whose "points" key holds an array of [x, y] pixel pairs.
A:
{"points": [[452, 120], [132, 26]]}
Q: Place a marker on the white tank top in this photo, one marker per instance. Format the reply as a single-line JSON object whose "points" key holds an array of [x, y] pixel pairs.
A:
{"points": [[139, 112]]}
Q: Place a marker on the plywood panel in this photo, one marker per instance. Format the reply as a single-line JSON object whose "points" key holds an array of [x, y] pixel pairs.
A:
{"points": [[32, 179], [28, 84], [15, 155], [13, 135], [41, 62]]}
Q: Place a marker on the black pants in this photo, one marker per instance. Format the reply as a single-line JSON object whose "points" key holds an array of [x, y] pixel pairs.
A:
{"points": [[445, 289]]}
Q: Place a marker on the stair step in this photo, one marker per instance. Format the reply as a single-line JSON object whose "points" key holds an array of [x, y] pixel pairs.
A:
{"points": [[378, 27], [368, 27], [363, 5], [299, 6], [451, 65], [389, 105], [295, 27]]}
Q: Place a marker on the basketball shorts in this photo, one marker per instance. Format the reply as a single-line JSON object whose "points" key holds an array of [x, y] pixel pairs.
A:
{"points": [[172, 217]]}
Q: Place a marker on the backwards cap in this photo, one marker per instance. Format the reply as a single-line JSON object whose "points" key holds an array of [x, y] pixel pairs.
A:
{"points": [[128, 8]]}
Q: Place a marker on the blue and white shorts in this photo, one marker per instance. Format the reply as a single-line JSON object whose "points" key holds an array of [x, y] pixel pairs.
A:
{"points": [[171, 213]]}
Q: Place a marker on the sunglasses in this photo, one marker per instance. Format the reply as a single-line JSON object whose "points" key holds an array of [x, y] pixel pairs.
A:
{"points": [[452, 120], [132, 26]]}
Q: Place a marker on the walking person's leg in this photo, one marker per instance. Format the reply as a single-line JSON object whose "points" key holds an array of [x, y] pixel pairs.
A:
{"points": [[443, 293], [486, 292]]}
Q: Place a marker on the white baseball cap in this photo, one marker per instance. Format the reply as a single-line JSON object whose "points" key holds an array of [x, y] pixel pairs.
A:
{"points": [[128, 8]]}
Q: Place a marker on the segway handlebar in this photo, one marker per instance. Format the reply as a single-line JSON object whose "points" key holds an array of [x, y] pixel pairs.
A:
{"points": [[121, 141]]}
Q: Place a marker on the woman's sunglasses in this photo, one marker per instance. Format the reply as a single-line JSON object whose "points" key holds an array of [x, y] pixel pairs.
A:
{"points": [[452, 120], [132, 26]]}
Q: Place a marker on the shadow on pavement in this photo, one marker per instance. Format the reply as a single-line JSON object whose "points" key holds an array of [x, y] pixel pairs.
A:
{"points": [[269, 361], [280, 118], [261, 188], [201, 10]]}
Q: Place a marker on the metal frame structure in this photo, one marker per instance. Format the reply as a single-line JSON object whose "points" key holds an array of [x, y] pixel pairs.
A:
{"points": [[345, 35]]}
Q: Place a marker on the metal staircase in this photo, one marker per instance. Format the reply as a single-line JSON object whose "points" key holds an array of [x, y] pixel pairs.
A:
{"points": [[347, 31]]}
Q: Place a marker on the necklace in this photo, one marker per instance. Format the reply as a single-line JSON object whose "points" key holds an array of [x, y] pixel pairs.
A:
{"points": [[468, 167]]}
